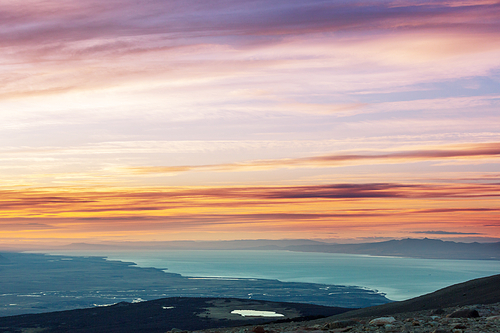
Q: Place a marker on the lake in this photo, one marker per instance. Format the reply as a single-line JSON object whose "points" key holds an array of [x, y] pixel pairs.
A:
{"points": [[398, 278]]}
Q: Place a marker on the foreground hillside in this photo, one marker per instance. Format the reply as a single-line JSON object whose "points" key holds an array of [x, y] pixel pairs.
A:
{"points": [[477, 318], [478, 303], [162, 315]]}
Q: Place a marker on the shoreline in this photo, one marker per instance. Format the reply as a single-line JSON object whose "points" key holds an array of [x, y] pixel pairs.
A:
{"points": [[35, 283], [405, 277]]}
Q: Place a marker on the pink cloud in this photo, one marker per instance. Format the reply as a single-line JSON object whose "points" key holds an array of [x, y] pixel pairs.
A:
{"points": [[481, 150]]}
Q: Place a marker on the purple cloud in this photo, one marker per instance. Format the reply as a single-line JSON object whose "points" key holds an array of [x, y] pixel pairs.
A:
{"points": [[440, 232], [48, 22]]}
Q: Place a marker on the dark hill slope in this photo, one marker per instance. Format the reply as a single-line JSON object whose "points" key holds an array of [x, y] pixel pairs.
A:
{"points": [[161, 316], [479, 291]]}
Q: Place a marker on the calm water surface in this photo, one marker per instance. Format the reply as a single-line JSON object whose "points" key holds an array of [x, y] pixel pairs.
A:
{"points": [[398, 278]]}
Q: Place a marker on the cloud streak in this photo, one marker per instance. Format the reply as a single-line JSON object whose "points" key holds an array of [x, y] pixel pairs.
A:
{"points": [[485, 150], [165, 200], [79, 20], [352, 210], [441, 232], [45, 31]]}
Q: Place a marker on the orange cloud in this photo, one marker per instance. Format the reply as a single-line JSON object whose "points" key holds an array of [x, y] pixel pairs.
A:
{"points": [[360, 210], [92, 203]]}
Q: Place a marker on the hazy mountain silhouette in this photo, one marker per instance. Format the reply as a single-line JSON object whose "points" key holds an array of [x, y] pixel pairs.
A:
{"points": [[251, 244], [414, 248]]}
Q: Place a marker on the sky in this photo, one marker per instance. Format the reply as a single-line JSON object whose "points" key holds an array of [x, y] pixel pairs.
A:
{"points": [[157, 120]]}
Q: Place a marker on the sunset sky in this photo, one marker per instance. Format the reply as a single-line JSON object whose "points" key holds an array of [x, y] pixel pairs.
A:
{"points": [[154, 120]]}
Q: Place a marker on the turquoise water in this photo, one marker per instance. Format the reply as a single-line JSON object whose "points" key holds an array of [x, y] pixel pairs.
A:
{"points": [[398, 278]]}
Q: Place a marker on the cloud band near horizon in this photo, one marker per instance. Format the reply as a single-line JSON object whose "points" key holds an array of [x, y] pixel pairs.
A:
{"points": [[344, 211]]}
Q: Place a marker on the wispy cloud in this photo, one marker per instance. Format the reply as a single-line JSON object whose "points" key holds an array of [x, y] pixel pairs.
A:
{"points": [[165, 200], [125, 17], [348, 210], [485, 150], [440, 232], [25, 226], [97, 41]]}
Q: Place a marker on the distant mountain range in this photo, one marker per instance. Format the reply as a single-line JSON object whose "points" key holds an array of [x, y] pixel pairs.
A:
{"points": [[253, 244], [413, 248]]}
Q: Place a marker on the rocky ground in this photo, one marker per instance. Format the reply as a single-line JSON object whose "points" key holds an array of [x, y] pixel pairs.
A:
{"points": [[463, 319]]}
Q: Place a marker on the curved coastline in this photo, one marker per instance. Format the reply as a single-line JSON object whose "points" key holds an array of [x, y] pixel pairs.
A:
{"points": [[35, 283], [398, 278]]}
